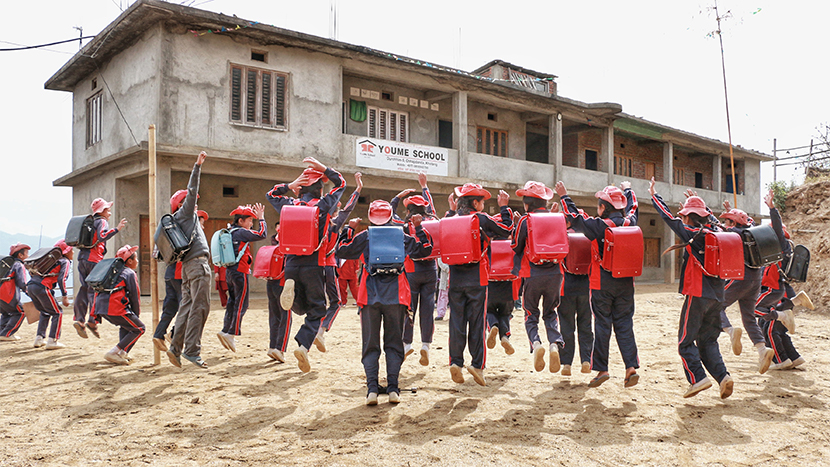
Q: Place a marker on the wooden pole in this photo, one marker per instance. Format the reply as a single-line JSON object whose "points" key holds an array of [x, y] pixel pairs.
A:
{"points": [[154, 273], [726, 100], [774, 159]]}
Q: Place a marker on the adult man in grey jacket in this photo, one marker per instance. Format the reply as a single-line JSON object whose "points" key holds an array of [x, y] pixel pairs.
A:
{"points": [[196, 272]]}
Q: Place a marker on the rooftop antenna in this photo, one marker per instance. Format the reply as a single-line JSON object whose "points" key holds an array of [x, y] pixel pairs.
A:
{"points": [[80, 30], [718, 17], [333, 20]]}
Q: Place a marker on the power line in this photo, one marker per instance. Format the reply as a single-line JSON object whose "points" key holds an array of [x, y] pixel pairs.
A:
{"points": [[46, 45], [802, 155], [804, 162]]}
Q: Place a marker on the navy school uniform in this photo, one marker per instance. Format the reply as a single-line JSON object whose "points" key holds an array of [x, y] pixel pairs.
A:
{"points": [[87, 259], [468, 294], [745, 292], [382, 298], [172, 298], [11, 312], [575, 316], [501, 296], [41, 289], [542, 283], [279, 319], [332, 289], [121, 307], [700, 316], [611, 298], [308, 271], [422, 276], [237, 276]]}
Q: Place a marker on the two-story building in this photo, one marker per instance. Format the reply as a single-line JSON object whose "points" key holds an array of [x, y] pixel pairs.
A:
{"points": [[259, 99]]}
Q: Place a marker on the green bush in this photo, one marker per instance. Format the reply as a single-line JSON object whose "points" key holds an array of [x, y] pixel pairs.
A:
{"points": [[780, 189]]}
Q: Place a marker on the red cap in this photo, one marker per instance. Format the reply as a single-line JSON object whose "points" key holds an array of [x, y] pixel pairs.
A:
{"points": [[380, 212], [177, 199], [736, 215], [471, 189], [417, 200], [245, 211], [98, 205], [65, 249], [696, 205], [614, 196], [17, 247], [536, 190], [125, 252], [314, 175], [202, 214]]}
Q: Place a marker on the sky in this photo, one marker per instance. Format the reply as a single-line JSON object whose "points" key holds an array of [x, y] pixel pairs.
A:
{"points": [[655, 58]]}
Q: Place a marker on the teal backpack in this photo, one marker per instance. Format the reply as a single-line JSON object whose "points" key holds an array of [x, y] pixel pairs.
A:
{"points": [[221, 249]]}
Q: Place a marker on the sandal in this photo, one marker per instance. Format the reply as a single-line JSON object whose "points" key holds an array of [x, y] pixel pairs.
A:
{"points": [[632, 380], [174, 359], [197, 360], [597, 381]]}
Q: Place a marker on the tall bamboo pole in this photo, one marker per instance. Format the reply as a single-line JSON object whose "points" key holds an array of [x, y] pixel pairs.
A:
{"points": [[154, 274]]}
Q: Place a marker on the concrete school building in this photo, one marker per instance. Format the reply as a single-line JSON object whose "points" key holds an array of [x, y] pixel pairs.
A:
{"points": [[259, 99]]}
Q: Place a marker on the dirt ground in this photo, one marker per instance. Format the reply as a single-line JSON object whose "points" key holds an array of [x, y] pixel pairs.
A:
{"points": [[70, 407]]}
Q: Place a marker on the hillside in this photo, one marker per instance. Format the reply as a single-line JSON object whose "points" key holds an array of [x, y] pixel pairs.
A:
{"points": [[807, 216], [7, 240]]}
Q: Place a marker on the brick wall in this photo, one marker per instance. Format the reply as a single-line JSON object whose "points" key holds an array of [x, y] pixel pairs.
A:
{"points": [[570, 151], [700, 163], [640, 154], [592, 139]]}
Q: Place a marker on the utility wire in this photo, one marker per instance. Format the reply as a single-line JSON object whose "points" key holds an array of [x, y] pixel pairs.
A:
{"points": [[802, 155], [46, 45], [803, 162]]}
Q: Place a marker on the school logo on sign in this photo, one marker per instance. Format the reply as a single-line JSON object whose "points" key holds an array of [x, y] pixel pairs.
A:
{"points": [[401, 157]]}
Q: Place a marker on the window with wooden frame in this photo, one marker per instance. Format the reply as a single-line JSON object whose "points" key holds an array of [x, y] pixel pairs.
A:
{"points": [[491, 141], [623, 166], [388, 124], [258, 97], [679, 176], [94, 118]]}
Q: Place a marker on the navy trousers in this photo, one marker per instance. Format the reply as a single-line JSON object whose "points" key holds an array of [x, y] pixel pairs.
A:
{"points": [[130, 329], [11, 317], [309, 300], [237, 302], [698, 339], [50, 312], [469, 307], [85, 294], [170, 306], [371, 318], [279, 319], [499, 314], [333, 295], [422, 290], [745, 293], [544, 289], [613, 310], [575, 316]]}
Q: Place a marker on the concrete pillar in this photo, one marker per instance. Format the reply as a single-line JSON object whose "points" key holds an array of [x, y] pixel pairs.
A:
{"points": [[668, 261], [555, 144], [717, 174], [668, 163], [607, 152], [459, 130]]}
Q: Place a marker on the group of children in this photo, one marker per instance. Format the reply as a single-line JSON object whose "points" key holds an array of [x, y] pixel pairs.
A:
{"points": [[395, 296]]}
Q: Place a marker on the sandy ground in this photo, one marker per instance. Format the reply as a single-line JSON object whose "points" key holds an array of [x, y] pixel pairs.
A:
{"points": [[70, 407]]}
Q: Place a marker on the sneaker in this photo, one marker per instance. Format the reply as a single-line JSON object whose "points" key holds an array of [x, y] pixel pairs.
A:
{"points": [[221, 335], [586, 367], [726, 386], [735, 337], [798, 362], [53, 344], [320, 341], [277, 355], [566, 370], [394, 398], [174, 359], [802, 299], [491, 338], [787, 318], [79, 327], [697, 387], [160, 344], [478, 375], [229, 339], [301, 354], [538, 356], [9, 338], [554, 358], [508, 347], [93, 328], [287, 296], [372, 398], [115, 357], [424, 361], [407, 350], [39, 342], [765, 359], [785, 365], [455, 372]]}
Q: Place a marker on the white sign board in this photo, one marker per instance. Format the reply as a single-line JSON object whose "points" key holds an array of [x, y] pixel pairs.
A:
{"points": [[401, 157]]}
